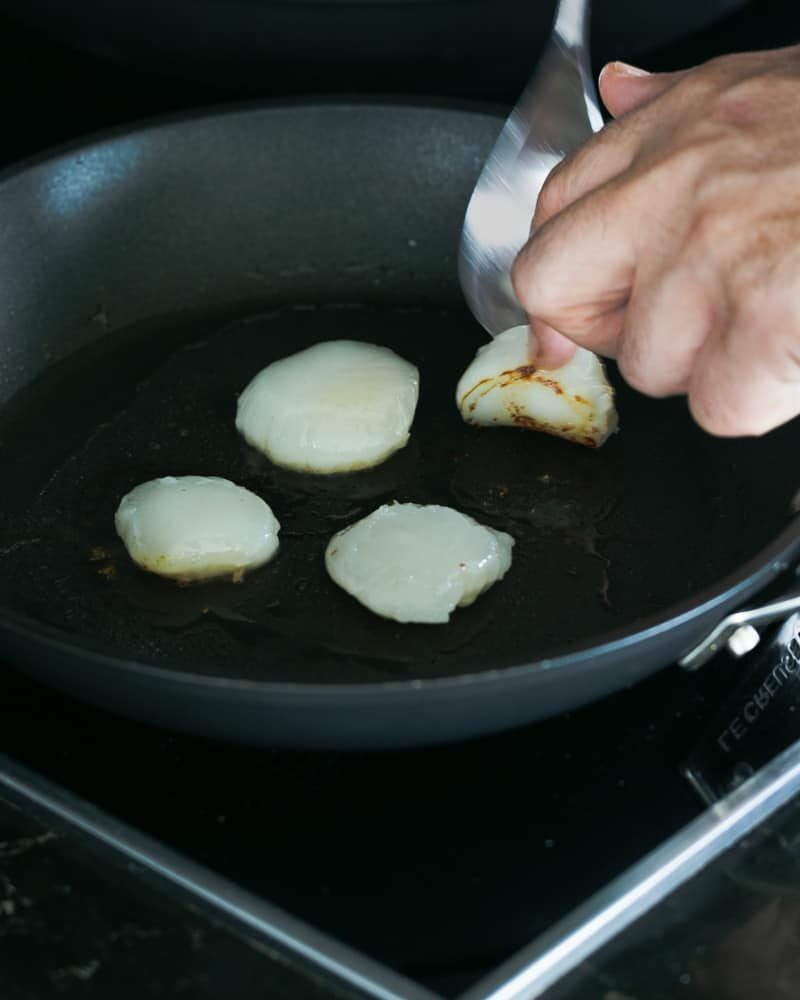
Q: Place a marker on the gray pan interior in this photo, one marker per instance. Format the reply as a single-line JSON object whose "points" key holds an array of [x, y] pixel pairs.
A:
{"points": [[324, 221]]}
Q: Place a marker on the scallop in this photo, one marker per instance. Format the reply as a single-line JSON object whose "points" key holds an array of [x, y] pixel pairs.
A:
{"points": [[338, 406], [417, 563], [501, 387], [196, 528]]}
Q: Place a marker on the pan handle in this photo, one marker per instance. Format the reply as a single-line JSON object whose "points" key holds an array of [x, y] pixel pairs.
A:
{"points": [[738, 632]]}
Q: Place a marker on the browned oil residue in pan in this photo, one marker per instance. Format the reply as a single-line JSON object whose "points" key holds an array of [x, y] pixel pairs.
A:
{"points": [[161, 401]]}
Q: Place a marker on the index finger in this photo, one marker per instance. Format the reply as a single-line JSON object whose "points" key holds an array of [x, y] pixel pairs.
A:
{"points": [[576, 273], [612, 150]]}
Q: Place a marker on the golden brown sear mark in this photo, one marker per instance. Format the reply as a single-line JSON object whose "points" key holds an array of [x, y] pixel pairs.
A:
{"points": [[477, 386], [520, 419], [551, 384], [530, 373]]}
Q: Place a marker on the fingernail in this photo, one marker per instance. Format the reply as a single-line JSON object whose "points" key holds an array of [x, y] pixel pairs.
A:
{"points": [[625, 69]]}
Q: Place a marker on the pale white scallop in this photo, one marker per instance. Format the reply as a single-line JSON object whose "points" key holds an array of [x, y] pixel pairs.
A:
{"points": [[196, 528], [417, 563], [500, 387], [335, 407]]}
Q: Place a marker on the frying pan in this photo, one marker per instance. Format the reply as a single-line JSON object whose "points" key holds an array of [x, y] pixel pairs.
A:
{"points": [[146, 276]]}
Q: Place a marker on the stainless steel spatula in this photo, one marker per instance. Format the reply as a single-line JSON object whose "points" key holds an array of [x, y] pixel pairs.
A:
{"points": [[557, 112]]}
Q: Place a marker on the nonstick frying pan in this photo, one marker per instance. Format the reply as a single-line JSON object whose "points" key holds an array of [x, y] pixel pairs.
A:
{"points": [[146, 276]]}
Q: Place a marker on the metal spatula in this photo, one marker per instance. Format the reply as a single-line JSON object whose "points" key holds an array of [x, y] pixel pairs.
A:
{"points": [[557, 112]]}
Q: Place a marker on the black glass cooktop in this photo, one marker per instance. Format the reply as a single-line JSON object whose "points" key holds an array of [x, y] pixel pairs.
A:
{"points": [[438, 862]]}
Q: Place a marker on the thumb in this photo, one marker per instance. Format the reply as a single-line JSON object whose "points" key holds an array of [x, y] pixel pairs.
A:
{"points": [[625, 88], [547, 348]]}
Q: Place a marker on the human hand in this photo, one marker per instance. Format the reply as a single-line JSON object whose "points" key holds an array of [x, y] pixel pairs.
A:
{"points": [[671, 240]]}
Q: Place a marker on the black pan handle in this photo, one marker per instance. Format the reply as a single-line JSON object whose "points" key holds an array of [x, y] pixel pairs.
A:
{"points": [[739, 631]]}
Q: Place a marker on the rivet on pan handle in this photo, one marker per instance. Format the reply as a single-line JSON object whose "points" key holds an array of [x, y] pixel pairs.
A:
{"points": [[739, 631]]}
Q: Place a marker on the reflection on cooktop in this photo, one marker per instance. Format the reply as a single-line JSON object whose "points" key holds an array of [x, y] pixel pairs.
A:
{"points": [[439, 862]]}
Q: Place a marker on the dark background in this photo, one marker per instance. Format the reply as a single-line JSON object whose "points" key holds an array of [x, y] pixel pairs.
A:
{"points": [[75, 67]]}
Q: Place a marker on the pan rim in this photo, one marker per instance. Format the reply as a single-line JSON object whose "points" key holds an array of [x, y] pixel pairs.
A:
{"points": [[747, 579], [313, 102], [756, 573]]}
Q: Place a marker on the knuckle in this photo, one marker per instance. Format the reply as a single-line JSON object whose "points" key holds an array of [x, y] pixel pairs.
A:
{"points": [[706, 229], [553, 196], [712, 417], [529, 290], [605, 155], [715, 73], [690, 158], [737, 90], [720, 413], [750, 381], [715, 229], [674, 179], [720, 188], [718, 76], [768, 335], [697, 86], [741, 103], [642, 373], [721, 69], [633, 368], [519, 280]]}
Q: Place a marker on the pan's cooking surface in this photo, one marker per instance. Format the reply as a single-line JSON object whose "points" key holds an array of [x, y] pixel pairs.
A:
{"points": [[603, 538]]}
